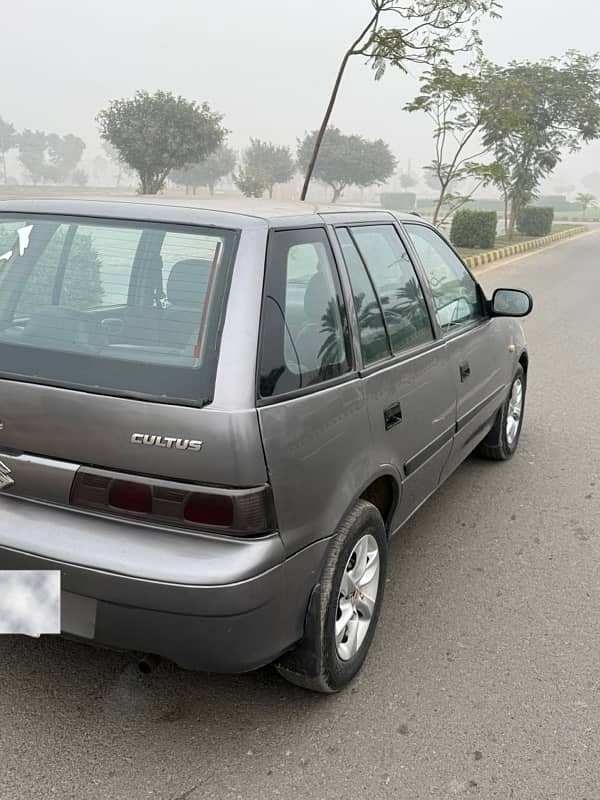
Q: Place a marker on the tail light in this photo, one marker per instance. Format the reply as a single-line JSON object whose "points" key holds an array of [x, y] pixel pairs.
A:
{"points": [[238, 512]]}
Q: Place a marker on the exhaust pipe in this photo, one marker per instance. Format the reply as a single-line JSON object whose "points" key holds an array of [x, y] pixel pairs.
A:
{"points": [[148, 663]]}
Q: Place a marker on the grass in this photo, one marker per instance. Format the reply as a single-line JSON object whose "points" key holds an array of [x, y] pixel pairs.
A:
{"points": [[502, 241]]}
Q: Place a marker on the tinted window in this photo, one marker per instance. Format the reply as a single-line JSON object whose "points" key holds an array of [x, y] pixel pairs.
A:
{"points": [[398, 288], [97, 266], [454, 291], [304, 326], [373, 336], [88, 304]]}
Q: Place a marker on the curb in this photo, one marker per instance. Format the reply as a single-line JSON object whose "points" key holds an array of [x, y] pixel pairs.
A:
{"points": [[522, 247]]}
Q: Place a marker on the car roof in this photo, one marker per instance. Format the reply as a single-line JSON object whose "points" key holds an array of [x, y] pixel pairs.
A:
{"points": [[221, 212]]}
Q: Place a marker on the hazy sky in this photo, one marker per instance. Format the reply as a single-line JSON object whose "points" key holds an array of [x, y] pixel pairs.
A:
{"points": [[266, 64]]}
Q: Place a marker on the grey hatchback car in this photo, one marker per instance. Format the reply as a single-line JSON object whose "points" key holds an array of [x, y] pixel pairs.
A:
{"points": [[213, 421]]}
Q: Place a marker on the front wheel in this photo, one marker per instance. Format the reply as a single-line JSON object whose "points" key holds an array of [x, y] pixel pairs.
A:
{"points": [[501, 442], [345, 605]]}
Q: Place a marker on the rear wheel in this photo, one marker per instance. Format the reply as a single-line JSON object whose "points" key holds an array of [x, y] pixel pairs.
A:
{"points": [[345, 605], [501, 442]]}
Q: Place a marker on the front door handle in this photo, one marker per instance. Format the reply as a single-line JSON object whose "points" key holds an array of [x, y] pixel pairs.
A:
{"points": [[465, 371], [392, 415]]}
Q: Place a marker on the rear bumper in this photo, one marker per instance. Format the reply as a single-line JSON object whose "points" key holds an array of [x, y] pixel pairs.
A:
{"points": [[205, 602]]}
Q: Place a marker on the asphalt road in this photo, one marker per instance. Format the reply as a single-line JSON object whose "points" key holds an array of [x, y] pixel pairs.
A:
{"points": [[483, 680]]}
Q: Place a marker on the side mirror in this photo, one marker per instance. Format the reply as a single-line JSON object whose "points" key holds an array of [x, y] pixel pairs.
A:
{"points": [[511, 303]]}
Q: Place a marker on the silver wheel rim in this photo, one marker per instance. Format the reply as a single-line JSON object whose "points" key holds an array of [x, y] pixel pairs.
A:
{"points": [[357, 597], [515, 411]]}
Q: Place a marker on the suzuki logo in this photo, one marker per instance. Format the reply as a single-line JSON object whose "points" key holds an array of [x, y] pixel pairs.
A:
{"points": [[5, 479]]}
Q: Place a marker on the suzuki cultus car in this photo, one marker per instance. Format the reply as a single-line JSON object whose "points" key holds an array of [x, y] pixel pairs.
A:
{"points": [[212, 422]]}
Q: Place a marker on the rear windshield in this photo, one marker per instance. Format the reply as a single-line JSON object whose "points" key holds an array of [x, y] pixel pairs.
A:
{"points": [[131, 309]]}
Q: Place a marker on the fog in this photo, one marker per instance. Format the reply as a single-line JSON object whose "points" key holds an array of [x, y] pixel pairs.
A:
{"points": [[266, 65]]}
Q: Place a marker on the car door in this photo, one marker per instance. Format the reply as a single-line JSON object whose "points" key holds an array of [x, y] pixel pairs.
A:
{"points": [[313, 418], [408, 385], [476, 347]]}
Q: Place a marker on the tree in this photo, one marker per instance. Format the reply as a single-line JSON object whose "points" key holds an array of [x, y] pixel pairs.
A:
{"points": [[266, 164], [422, 31], [347, 160], [407, 180], [250, 183], [32, 154], [453, 101], [80, 177], [565, 188], [592, 182], [113, 156], [208, 172], [8, 140], [64, 154], [500, 178], [48, 156], [533, 112], [586, 200], [279, 165], [430, 179], [155, 134]]}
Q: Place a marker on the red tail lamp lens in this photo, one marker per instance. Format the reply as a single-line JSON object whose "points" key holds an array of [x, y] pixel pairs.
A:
{"points": [[209, 509], [136, 497], [238, 512]]}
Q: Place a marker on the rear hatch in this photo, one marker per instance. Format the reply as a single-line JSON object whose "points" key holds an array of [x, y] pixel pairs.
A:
{"points": [[109, 338]]}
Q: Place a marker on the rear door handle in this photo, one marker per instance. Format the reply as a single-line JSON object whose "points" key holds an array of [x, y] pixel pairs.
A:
{"points": [[392, 415], [465, 371]]}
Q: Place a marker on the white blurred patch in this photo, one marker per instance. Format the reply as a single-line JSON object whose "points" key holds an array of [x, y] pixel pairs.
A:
{"points": [[24, 234], [30, 602]]}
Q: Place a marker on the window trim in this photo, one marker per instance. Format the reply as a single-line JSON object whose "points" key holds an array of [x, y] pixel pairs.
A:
{"points": [[375, 293], [458, 329], [367, 369], [353, 371], [400, 358]]}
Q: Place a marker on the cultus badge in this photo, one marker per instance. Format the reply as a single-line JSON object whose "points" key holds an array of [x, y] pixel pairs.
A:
{"points": [[170, 442]]}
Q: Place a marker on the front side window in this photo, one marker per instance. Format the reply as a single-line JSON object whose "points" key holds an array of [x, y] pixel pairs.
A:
{"points": [[304, 335], [90, 304], [398, 289], [454, 291]]}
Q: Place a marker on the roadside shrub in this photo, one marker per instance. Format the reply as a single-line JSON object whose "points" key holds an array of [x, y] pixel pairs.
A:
{"points": [[535, 220], [474, 229], [399, 201]]}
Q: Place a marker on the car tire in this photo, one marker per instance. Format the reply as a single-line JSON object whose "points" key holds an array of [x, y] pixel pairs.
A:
{"points": [[501, 442], [341, 619]]}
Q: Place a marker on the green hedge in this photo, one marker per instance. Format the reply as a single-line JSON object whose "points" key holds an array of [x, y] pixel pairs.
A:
{"points": [[474, 229], [535, 220], [399, 201]]}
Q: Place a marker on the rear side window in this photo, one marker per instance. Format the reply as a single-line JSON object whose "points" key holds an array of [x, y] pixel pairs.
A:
{"points": [[304, 331], [122, 308], [374, 342]]}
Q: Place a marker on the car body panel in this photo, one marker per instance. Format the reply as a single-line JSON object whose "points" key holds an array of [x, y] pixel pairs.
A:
{"points": [[419, 445], [211, 601], [319, 455]]}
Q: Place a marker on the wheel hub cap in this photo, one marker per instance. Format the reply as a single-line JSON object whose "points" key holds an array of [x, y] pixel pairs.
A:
{"points": [[515, 411], [357, 597]]}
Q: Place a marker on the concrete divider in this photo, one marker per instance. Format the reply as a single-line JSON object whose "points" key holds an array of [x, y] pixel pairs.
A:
{"points": [[522, 247]]}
